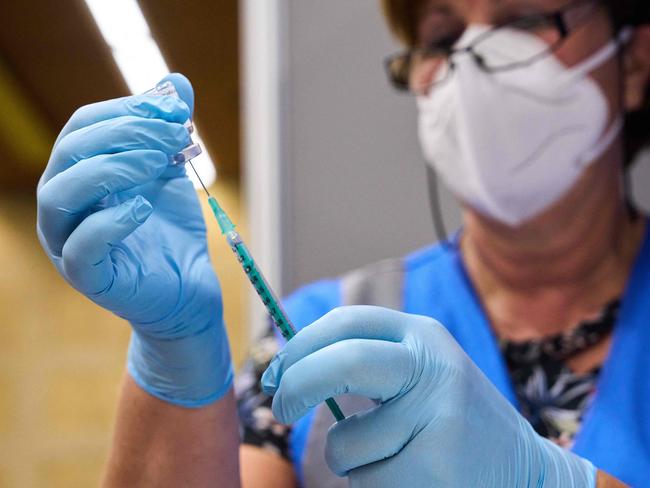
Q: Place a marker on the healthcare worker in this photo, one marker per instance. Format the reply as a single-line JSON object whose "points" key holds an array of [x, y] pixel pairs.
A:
{"points": [[516, 353]]}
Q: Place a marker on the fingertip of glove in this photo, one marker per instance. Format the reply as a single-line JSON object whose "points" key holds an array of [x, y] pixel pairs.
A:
{"points": [[135, 210], [183, 87], [269, 378], [278, 410], [141, 209], [169, 108]]}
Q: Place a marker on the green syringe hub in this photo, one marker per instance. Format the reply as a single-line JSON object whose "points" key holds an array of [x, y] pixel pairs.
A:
{"points": [[225, 224]]}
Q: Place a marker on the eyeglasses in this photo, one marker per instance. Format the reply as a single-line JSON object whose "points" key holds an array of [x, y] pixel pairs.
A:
{"points": [[487, 49]]}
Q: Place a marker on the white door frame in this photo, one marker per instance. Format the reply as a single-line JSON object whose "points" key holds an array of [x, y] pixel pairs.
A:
{"points": [[263, 69]]}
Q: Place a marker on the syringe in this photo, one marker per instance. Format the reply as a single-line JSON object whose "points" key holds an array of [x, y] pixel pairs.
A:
{"points": [[270, 300]]}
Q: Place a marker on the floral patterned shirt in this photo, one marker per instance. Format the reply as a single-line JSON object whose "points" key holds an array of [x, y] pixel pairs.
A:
{"points": [[551, 397], [258, 427]]}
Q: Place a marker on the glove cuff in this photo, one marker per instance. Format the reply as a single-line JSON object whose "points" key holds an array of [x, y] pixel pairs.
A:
{"points": [[190, 372]]}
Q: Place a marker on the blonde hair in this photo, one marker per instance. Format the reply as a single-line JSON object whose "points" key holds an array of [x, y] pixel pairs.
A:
{"points": [[402, 17]]}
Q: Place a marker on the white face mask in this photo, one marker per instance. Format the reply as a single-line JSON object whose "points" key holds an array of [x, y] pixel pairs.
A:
{"points": [[511, 143]]}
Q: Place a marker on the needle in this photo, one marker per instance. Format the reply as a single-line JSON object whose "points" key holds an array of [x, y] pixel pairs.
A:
{"points": [[198, 177]]}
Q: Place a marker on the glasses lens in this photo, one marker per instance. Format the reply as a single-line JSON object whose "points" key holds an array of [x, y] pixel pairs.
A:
{"points": [[398, 68], [416, 71], [517, 44]]}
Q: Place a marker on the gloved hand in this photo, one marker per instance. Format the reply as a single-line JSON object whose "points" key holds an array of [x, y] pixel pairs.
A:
{"points": [[439, 421], [125, 228]]}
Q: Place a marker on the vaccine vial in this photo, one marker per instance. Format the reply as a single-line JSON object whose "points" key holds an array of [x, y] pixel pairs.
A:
{"points": [[194, 149]]}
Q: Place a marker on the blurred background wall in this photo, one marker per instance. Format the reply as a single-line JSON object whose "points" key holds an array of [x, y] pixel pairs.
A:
{"points": [[61, 356], [356, 185]]}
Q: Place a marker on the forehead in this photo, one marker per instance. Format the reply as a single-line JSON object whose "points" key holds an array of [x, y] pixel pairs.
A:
{"points": [[437, 17], [472, 7]]}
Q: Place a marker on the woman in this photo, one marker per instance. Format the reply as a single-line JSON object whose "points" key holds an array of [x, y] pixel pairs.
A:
{"points": [[543, 295], [527, 135]]}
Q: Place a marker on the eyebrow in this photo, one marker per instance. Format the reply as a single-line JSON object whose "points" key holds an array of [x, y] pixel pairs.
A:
{"points": [[542, 4], [434, 5]]}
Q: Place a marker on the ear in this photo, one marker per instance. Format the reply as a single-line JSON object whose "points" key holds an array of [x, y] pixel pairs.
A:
{"points": [[637, 68]]}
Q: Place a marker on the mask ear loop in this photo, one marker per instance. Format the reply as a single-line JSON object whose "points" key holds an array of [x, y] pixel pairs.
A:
{"points": [[623, 39], [608, 51], [436, 213]]}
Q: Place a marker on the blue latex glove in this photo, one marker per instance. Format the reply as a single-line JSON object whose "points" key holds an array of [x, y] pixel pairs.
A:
{"points": [[439, 421], [125, 228]]}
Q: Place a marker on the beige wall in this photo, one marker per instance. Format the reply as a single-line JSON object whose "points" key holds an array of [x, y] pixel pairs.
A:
{"points": [[62, 357]]}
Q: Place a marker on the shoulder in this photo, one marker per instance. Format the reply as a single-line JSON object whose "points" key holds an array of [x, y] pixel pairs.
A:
{"points": [[310, 302], [432, 257], [364, 285]]}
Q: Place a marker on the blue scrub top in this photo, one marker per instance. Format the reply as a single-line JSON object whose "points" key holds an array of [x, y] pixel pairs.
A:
{"points": [[615, 433]]}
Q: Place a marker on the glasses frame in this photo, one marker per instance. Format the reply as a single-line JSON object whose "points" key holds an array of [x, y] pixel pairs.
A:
{"points": [[557, 19]]}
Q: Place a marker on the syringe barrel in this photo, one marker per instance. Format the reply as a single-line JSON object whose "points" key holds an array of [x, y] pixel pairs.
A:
{"points": [[271, 302]]}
